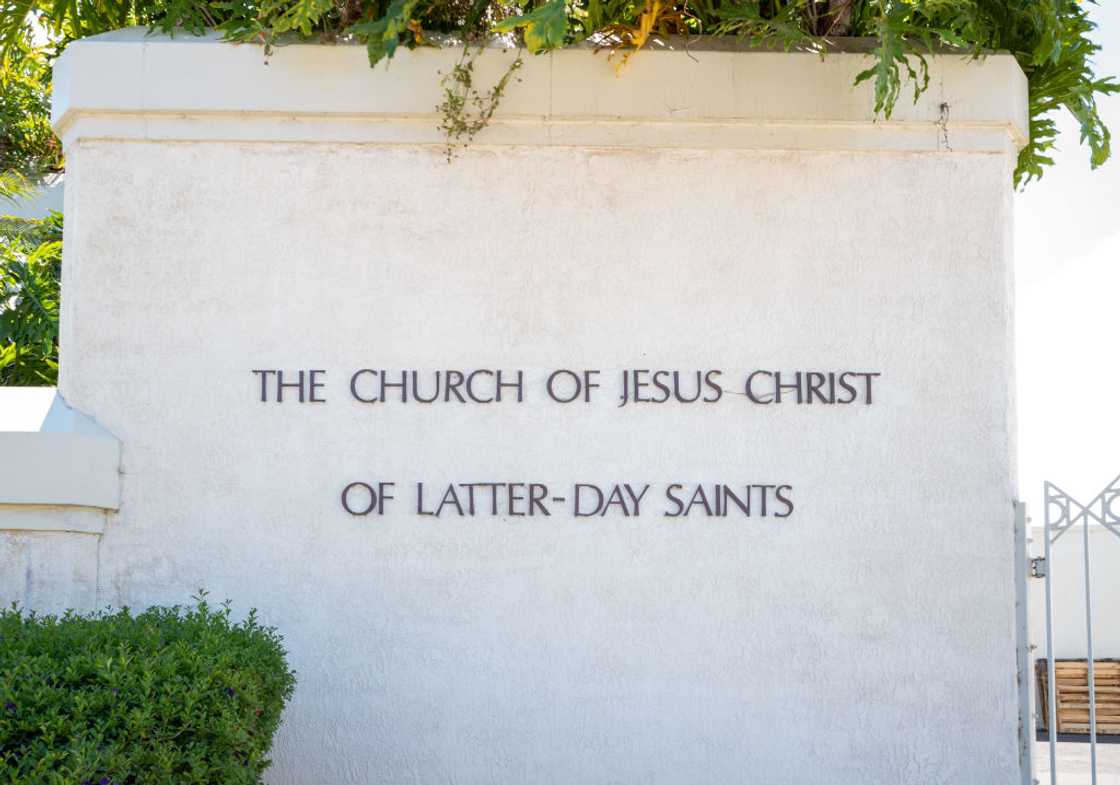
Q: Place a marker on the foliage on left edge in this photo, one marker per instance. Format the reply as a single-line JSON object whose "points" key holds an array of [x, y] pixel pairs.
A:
{"points": [[30, 269]]}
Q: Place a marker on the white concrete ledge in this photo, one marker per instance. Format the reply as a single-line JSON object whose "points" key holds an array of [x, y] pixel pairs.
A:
{"points": [[33, 518], [127, 85], [64, 460]]}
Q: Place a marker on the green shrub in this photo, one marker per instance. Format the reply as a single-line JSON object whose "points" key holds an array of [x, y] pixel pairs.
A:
{"points": [[171, 696], [30, 272]]}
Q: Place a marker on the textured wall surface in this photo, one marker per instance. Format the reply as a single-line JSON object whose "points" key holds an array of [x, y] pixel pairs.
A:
{"points": [[866, 640], [49, 557], [53, 570]]}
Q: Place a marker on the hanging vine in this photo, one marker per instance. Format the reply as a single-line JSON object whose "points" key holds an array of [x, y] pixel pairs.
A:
{"points": [[465, 110]]}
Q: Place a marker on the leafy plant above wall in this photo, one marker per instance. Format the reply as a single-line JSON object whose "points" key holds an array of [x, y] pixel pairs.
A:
{"points": [[1049, 38]]}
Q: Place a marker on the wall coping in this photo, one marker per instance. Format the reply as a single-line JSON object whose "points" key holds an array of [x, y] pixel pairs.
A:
{"points": [[67, 459], [133, 86]]}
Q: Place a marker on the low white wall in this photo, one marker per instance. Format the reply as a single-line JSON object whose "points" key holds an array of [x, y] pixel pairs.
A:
{"points": [[705, 210], [48, 558], [59, 481]]}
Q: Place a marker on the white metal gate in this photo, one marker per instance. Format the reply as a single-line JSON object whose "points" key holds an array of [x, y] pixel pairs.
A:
{"points": [[1063, 514]]}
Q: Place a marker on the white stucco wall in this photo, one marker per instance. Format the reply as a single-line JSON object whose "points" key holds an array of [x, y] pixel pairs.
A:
{"points": [[869, 638]]}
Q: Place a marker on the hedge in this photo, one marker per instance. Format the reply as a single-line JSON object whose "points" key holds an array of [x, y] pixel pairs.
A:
{"points": [[170, 696]]}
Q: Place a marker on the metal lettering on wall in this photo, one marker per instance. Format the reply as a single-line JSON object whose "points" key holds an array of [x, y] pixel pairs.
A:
{"points": [[568, 386]]}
